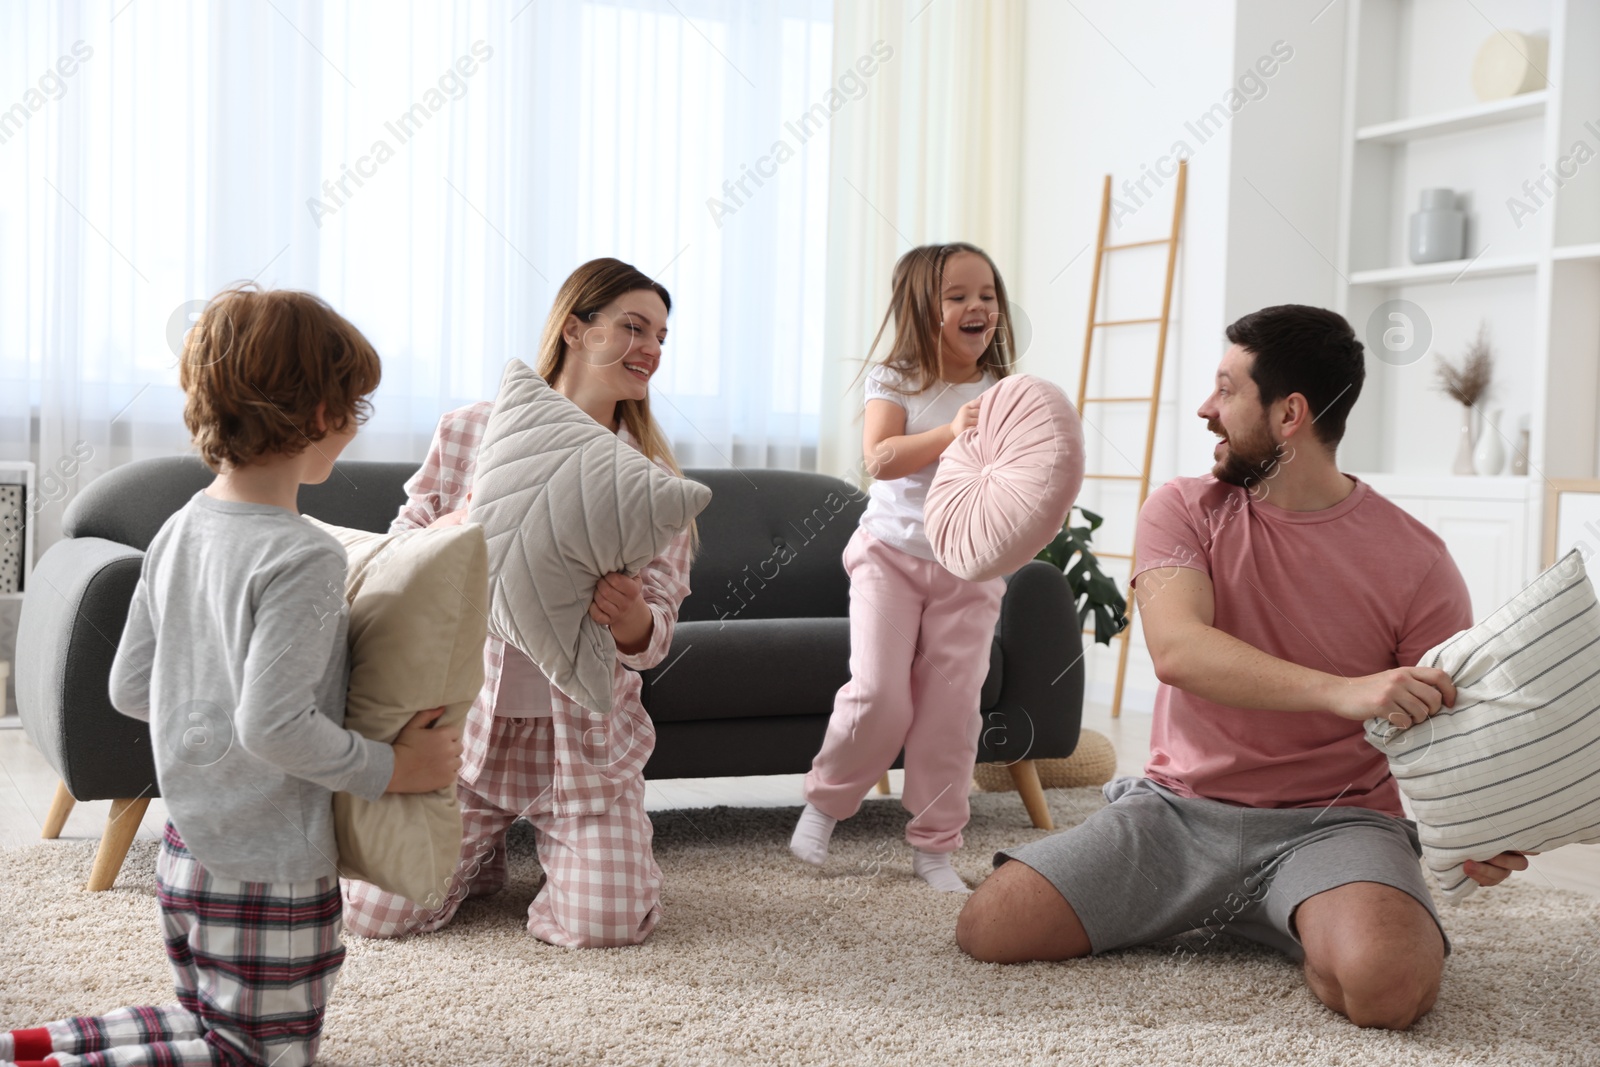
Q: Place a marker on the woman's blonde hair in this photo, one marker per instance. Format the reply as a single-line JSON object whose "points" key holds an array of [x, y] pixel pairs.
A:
{"points": [[586, 291], [916, 350]]}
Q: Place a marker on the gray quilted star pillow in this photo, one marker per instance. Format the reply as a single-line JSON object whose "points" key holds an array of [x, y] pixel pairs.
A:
{"points": [[1515, 765], [564, 502]]}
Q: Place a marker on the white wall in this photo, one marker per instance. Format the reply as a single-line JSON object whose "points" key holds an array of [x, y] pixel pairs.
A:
{"points": [[1284, 182], [1112, 87], [1109, 90]]}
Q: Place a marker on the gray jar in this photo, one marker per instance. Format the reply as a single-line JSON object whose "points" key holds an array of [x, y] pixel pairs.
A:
{"points": [[1438, 229]]}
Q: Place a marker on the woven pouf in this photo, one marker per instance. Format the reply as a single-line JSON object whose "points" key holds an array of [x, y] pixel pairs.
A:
{"points": [[1093, 762]]}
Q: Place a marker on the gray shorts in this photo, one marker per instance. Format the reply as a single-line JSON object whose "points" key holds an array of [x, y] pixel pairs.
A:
{"points": [[1152, 865]]}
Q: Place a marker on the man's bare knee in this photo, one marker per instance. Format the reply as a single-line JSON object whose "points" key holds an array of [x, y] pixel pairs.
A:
{"points": [[1018, 915], [1373, 953], [1379, 991], [977, 918]]}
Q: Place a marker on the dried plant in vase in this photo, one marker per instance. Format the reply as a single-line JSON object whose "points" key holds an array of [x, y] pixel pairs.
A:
{"points": [[1466, 385]]}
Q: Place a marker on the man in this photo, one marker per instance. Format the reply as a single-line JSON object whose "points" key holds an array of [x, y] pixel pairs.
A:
{"points": [[1284, 604]]}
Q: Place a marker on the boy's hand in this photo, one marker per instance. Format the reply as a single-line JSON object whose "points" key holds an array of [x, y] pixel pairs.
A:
{"points": [[425, 759]]}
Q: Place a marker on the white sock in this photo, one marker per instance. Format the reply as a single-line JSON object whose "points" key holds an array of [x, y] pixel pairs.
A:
{"points": [[934, 868], [811, 833]]}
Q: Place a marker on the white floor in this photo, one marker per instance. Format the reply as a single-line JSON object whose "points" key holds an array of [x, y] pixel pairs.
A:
{"points": [[29, 785]]}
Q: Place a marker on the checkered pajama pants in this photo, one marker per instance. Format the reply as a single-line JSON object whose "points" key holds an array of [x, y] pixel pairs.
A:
{"points": [[254, 964], [602, 886]]}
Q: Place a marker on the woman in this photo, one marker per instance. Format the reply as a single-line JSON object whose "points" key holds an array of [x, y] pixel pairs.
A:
{"points": [[530, 751]]}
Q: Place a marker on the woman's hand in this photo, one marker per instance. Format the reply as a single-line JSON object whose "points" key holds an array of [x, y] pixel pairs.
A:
{"points": [[619, 605]]}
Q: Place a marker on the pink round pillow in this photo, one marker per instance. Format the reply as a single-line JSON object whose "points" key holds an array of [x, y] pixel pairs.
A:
{"points": [[1004, 487]]}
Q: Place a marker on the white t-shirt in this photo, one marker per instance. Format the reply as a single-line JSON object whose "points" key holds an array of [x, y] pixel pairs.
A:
{"points": [[524, 691], [894, 512]]}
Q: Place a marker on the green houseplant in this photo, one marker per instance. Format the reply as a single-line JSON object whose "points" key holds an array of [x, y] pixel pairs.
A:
{"points": [[1094, 593]]}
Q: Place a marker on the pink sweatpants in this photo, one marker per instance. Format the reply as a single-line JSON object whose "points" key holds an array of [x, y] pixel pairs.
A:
{"points": [[919, 653]]}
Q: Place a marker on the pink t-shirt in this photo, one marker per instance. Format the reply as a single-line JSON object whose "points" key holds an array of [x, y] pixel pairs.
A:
{"points": [[1354, 589]]}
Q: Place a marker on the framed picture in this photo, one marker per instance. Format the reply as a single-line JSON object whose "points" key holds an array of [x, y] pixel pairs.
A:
{"points": [[13, 536], [1572, 520]]}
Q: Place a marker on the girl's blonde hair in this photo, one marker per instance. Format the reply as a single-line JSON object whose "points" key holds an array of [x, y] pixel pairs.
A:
{"points": [[585, 292], [916, 350]]}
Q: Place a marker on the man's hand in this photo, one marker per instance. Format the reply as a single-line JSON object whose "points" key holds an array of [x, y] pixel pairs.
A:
{"points": [[1405, 696], [619, 605], [1498, 869], [425, 759]]}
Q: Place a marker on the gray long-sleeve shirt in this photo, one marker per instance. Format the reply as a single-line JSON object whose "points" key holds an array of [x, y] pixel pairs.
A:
{"points": [[235, 654]]}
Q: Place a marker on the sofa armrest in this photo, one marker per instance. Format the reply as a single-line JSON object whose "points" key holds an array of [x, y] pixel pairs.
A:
{"points": [[72, 618], [1040, 708]]}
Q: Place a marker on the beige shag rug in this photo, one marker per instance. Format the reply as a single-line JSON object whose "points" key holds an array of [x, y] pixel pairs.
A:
{"points": [[762, 961]]}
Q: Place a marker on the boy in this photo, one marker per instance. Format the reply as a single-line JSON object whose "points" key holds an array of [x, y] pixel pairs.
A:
{"points": [[235, 654]]}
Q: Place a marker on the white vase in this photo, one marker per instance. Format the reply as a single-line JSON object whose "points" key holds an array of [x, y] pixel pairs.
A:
{"points": [[1490, 454], [1463, 464]]}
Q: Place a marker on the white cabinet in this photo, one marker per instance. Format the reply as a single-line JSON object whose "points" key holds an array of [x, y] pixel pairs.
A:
{"points": [[1484, 523]]}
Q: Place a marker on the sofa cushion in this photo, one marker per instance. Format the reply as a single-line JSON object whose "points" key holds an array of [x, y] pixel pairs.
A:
{"points": [[1515, 764], [564, 502], [772, 546], [417, 630], [761, 668], [1005, 486]]}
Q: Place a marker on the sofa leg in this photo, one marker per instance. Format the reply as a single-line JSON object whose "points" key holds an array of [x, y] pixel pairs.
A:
{"points": [[1026, 776], [60, 807], [883, 784], [121, 827]]}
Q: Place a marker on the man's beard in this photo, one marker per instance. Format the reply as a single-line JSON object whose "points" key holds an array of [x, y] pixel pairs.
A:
{"points": [[1250, 460]]}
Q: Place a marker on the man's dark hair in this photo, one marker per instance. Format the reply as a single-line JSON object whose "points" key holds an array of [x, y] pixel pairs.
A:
{"points": [[1305, 350]]}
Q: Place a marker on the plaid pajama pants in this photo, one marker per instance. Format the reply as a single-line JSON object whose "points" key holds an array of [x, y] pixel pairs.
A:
{"points": [[254, 964], [602, 887]]}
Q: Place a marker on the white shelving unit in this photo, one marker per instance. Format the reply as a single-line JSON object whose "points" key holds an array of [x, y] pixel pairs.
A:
{"points": [[1449, 271], [1526, 106], [1531, 272]]}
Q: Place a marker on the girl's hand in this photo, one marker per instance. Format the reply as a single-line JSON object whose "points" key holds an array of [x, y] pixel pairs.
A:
{"points": [[450, 518], [619, 605], [965, 419]]}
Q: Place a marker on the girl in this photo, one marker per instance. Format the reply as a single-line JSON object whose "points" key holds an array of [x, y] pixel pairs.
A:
{"points": [[919, 636], [530, 751]]}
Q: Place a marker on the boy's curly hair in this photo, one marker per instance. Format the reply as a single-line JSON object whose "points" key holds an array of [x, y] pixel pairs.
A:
{"points": [[256, 366]]}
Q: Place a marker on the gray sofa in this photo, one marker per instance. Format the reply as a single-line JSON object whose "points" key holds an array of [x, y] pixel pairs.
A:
{"points": [[761, 646]]}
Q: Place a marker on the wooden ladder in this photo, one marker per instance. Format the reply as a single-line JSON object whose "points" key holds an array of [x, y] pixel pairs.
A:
{"points": [[1154, 399]]}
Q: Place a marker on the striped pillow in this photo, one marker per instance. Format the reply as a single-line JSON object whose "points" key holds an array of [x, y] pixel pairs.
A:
{"points": [[1515, 765]]}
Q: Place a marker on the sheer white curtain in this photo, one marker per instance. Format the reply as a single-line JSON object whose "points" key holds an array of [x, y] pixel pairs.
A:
{"points": [[929, 154], [434, 171]]}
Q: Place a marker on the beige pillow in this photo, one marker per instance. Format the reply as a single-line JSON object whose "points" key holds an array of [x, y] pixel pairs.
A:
{"points": [[564, 502], [418, 601]]}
